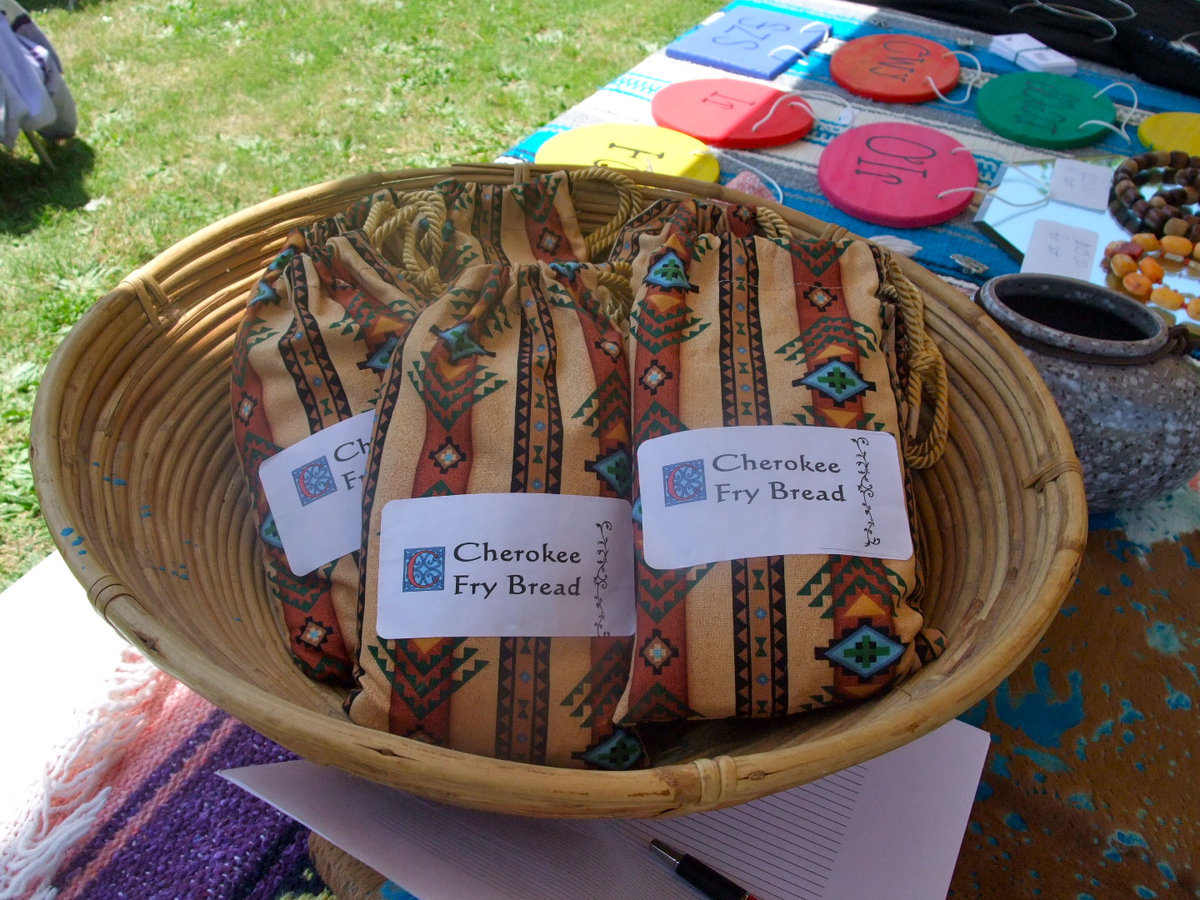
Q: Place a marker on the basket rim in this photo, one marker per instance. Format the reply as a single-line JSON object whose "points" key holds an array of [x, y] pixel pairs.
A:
{"points": [[706, 783]]}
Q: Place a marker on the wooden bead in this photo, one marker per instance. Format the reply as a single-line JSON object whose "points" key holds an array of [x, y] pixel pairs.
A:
{"points": [[1138, 285], [1155, 219], [1175, 226], [1151, 268], [1167, 298], [1122, 264], [1176, 245]]}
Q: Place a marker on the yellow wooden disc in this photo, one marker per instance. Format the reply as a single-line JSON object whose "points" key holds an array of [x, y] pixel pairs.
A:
{"points": [[645, 148], [1172, 131]]}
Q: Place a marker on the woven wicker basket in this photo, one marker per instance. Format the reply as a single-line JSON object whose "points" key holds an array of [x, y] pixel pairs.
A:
{"points": [[135, 465]]}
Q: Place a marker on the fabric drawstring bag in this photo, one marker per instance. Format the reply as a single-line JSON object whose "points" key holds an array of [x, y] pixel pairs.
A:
{"points": [[317, 333], [736, 324], [514, 382]]}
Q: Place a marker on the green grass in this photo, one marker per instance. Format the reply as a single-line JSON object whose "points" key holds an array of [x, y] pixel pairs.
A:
{"points": [[193, 109]]}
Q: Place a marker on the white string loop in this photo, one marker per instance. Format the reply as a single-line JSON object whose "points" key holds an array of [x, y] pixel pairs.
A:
{"points": [[1129, 115], [801, 55], [970, 84], [795, 99], [991, 192], [1119, 132], [1077, 12]]}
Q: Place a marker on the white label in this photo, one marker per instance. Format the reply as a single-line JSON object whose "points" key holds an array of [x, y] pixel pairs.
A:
{"points": [[1058, 249], [314, 488], [1007, 46], [725, 493], [506, 565], [1080, 184], [1046, 60]]}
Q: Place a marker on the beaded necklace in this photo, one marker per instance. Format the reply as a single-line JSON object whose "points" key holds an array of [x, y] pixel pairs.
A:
{"points": [[1138, 266], [1168, 212]]}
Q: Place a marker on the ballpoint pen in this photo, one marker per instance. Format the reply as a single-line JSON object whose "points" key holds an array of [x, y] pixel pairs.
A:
{"points": [[707, 880]]}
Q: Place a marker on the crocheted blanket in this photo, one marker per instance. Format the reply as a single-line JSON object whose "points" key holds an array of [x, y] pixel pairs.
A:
{"points": [[136, 809]]}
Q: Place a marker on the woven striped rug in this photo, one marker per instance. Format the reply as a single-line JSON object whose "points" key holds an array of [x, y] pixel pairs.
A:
{"points": [[136, 809]]}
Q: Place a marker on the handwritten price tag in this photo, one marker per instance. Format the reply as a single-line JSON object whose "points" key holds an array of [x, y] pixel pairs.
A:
{"points": [[1080, 184], [1058, 249]]}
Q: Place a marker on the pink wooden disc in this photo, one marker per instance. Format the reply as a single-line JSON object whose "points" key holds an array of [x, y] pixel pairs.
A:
{"points": [[895, 173], [726, 112], [895, 68]]}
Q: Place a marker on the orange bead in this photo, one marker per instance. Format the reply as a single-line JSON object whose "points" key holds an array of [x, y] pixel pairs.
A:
{"points": [[1151, 268], [1122, 264], [1167, 298], [1193, 308], [1138, 285], [1148, 240], [1174, 245]]}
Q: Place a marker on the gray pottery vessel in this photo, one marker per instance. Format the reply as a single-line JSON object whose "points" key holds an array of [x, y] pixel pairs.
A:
{"points": [[1125, 382]]}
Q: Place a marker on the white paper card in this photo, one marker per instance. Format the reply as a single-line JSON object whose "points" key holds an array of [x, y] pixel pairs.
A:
{"points": [[1080, 184], [314, 489], [1046, 60], [848, 835], [1058, 249], [713, 494], [506, 565], [1007, 46]]}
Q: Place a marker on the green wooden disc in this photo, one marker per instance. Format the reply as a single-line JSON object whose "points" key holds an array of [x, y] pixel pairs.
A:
{"points": [[1042, 109]]}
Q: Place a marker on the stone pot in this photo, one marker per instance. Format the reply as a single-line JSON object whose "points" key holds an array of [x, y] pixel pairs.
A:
{"points": [[1126, 383]]}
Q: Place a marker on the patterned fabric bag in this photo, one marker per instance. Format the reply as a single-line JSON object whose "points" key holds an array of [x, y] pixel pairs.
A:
{"points": [[514, 382], [318, 331], [736, 323]]}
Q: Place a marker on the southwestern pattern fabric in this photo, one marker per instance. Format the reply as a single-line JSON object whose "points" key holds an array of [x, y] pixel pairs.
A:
{"points": [[317, 334], [728, 328], [513, 381]]}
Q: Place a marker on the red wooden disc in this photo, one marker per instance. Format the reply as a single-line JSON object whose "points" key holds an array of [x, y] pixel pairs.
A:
{"points": [[726, 112], [895, 68], [898, 174]]}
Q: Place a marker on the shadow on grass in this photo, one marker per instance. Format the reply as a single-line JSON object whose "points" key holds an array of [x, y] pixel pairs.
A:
{"points": [[28, 188]]}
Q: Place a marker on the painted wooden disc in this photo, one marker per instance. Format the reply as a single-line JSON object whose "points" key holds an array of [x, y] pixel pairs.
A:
{"points": [[645, 148], [898, 174], [1042, 109], [726, 112], [750, 41], [895, 68], [1172, 131]]}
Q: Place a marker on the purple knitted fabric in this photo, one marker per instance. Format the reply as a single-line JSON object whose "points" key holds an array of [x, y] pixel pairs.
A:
{"points": [[207, 839]]}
